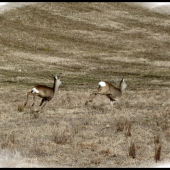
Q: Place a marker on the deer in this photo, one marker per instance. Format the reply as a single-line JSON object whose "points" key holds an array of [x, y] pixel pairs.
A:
{"points": [[44, 92], [110, 91]]}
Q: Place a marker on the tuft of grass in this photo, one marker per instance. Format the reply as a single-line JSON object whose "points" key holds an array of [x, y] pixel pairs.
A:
{"points": [[96, 161], [20, 107], [128, 129], [156, 140], [62, 138], [157, 152], [9, 141], [132, 150], [120, 126], [36, 114], [105, 152], [157, 148]]}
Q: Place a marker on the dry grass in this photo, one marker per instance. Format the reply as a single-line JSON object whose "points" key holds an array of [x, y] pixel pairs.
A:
{"points": [[86, 42], [13, 159], [132, 150], [157, 153]]}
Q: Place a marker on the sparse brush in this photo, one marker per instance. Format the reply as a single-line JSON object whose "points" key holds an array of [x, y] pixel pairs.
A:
{"points": [[119, 126], [157, 148], [132, 150], [128, 128], [62, 138], [14, 159], [20, 108], [157, 152], [105, 152], [164, 124], [12, 138], [97, 110], [76, 129], [156, 139], [86, 145], [8, 141], [100, 109], [95, 161], [157, 122], [36, 114]]}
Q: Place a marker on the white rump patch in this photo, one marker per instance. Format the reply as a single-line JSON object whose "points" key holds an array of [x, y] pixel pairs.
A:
{"points": [[34, 90], [102, 83]]}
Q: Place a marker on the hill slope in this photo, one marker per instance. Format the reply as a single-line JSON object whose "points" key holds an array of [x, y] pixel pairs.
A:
{"points": [[81, 36], [86, 43]]}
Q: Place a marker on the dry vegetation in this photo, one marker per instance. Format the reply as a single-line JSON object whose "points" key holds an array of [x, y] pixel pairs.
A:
{"points": [[86, 42]]}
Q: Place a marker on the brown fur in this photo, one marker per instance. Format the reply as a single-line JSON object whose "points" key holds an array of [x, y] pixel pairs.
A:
{"points": [[111, 92], [46, 93]]}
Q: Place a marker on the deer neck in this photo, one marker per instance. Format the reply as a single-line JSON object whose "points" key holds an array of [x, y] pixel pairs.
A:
{"points": [[55, 86], [122, 87]]}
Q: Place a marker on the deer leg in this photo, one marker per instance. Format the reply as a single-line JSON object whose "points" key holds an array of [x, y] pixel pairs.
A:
{"points": [[111, 99], [119, 105], [29, 93], [42, 101], [33, 100], [45, 102], [92, 95]]}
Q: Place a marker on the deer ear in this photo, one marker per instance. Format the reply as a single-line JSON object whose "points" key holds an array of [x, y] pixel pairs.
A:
{"points": [[55, 76], [123, 79]]}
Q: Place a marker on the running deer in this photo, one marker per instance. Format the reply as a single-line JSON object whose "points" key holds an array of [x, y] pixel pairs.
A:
{"points": [[44, 92], [111, 92]]}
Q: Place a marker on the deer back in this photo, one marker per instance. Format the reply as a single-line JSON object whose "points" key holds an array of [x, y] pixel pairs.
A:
{"points": [[116, 93], [45, 91]]}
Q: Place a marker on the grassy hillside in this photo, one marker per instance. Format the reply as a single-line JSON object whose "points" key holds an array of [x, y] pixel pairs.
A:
{"points": [[85, 43]]}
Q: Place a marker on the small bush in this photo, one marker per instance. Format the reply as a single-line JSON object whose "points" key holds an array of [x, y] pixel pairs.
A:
{"points": [[105, 152], [156, 140], [119, 126], [128, 130], [62, 138], [9, 141], [20, 108], [36, 114], [157, 152], [96, 161], [132, 150]]}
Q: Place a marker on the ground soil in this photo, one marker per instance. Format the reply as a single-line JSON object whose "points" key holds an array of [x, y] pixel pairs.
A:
{"points": [[85, 43]]}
